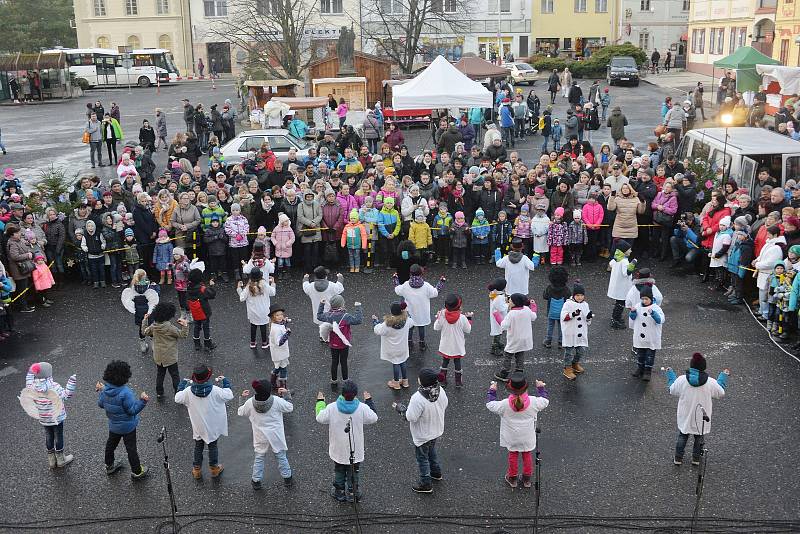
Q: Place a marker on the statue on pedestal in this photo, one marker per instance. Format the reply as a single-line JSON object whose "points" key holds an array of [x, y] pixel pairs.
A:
{"points": [[344, 50]]}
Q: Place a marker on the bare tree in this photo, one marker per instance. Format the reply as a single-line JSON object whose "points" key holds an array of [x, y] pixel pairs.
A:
{"points": [[398, 26], [271, 32]]}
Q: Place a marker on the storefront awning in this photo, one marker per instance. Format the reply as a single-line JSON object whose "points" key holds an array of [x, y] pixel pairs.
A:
{"points": [[37, 61]]}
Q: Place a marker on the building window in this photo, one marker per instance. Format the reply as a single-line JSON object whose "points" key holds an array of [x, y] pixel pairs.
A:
{"points": [[165, 42], [103, 42], [547, 6], [580, 6], [162, 7], [99, 8], [768, 3], [601, 6], [698, 41], [451, 7], [742, 37], [720, 42], [732, 41], [331, 7], [265, 7], [215, 8], [131, 7], [687, 4], [567, 43], [644, 41], [784, 51], [134, 42], [505, 6], [644, 5]]}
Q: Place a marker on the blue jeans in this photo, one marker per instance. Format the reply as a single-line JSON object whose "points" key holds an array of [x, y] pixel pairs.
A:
{"points": [[97, 270], [280, 372], [342, 479], [697, 449], [420, 329], [545, 144], [283, 465], [54, 437], [645, 357], [115, 261], [284, 262], [427, 461], [399, 370], [573, 355], [354, 257], [552, 325], [57, 258], [213, 453]]}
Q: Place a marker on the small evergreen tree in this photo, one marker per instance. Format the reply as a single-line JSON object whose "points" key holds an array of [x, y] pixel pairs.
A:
{"points": [[55, 188]]}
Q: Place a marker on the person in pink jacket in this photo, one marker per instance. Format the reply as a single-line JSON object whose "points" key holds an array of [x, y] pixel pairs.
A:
{"points": [[665, 206], [282, 239], [592, 215], [236, 228], [347, 202]]}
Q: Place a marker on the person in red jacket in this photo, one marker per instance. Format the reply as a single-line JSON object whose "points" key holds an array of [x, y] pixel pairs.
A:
{"points": [[710, 226], [592, 215]]}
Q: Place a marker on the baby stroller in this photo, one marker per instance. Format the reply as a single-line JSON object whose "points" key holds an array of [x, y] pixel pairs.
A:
{"points": [[533, 124]]}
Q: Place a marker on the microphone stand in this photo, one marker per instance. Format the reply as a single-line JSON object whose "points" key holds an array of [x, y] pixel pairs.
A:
{"points": [[173, 508], [353, 484], [537, 481], [701, 473]]}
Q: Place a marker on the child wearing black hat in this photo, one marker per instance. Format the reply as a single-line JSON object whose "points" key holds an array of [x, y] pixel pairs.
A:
{"points": [[340, 322], [279, 334], [518, 324], [498, 308], [417, 294], [619, 282], [575, 320], [555, 295], [205, 402], [394, 345], [648, 317], [518, 416], [452, 346], [347, 412], [198, 295], [425, 415], [265, 412], [693, 389]]}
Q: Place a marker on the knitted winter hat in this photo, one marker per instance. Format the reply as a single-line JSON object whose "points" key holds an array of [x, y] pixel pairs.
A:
{"points": [[256, 274], [499, 284], [559, 212], [576, 214], [525, 208], [795, 249], [726, 221], [42, 370], [202, 373], [519, 300], [177, 251], [397, 308], [538, 190], [578, 288], [452, 302], [261, 230], [517, 383], [262, 389], [427, 377], [419, 215], [354, 215], [480, 213], [443, 205], [337, 302], [623, 245], [459, 215], [791, 221], [742, 221], [38, 256], [698, 362], [349, 390]]}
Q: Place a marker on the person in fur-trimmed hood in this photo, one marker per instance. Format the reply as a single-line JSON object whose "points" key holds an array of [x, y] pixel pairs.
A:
{"points": [[425, 415], [694, 388], [394, 331], [452, 346], [265, 412]]}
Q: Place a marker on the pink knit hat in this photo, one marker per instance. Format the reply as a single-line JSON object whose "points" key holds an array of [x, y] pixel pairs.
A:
{"points": [[559, 212]]}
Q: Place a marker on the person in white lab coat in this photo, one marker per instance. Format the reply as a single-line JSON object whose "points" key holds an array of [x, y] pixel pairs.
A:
{"points": [[517, 267], [648, 318], [205, 401], [519, 328], [346, 413], [256, 296], [619, 282], [394, 348], [453, 326], [265, 412], [575, 320], [518, 414], [425, 416], [322, 289], [498, 308], [417, 294], [279, 333], [695, 391]]}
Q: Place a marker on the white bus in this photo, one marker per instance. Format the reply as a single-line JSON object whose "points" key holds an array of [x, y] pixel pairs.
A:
{"points": [[103, 67]]}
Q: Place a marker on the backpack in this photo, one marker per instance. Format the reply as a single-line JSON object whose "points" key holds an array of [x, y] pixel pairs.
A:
{"points": [[541, 123]]}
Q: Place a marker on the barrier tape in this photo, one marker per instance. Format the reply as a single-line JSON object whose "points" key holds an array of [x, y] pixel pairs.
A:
{"points": [[27, 288]]}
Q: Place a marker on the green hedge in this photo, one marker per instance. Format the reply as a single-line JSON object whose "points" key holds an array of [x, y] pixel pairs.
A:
{"points": [[594, 66]]}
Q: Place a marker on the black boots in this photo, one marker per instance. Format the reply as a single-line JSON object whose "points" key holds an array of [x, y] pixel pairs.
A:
{"points": [[638, 372], [209, 345], [197, 345]]}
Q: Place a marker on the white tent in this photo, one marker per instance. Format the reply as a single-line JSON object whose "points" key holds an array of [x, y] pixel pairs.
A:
{"points": [[441, 85], [787, 77]]}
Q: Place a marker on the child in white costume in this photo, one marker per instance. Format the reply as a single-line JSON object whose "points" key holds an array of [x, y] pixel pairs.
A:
{"points": [[322, 289], [498, 308], [648, 318], [619, 282], [417, 294], [575, 320], [517, 267], [279, 345], [453, 325]]}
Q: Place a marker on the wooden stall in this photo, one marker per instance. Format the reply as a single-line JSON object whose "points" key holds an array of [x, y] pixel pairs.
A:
{"points": [[353, 89], [261, 91], [375, 69]]}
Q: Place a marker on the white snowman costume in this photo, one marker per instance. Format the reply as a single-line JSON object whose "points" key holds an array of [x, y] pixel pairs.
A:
{"points": [[575, 331], [646, 333], [498, 309], [518, 268], [633, 298], [418, 301], [620, 282]]}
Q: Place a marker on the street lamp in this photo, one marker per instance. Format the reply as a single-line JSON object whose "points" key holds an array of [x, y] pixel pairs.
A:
{"points": [[727, 120]]}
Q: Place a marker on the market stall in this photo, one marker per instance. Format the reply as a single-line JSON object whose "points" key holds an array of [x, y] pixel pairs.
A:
{"points": [[262, 91], [354, 91], [780, 84], [401, 116], [36, 76], [313, 108]]}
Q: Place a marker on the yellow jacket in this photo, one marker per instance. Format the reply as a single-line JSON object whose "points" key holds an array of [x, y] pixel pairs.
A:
{"points": [[420, 235]]}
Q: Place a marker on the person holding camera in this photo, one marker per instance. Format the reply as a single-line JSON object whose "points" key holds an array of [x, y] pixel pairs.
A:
{"points": [[685, 243]]}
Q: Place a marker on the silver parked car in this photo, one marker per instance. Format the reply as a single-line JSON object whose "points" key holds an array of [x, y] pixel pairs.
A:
{"points": [[280, 141], [521, 72]]}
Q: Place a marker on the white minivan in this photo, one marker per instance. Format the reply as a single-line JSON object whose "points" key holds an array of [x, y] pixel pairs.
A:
{"points": [[747, 151]]}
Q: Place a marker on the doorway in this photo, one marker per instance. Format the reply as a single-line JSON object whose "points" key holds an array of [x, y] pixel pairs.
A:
{"points": [[221, 54]]}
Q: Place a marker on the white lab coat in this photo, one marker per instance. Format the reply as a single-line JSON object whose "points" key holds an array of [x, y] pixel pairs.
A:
{"points": [[426, 418], [257, 306], [765, 263], [690, 396], [279, 353], [451, 340], [518, 429], [517, 274], [333, 288], [394, 341], [418, 301], [619, 282], [267, 427], [518, 324], [646, 333], [208, 414], [339, 440], [497, 305], [633, 298], [575, 332]]}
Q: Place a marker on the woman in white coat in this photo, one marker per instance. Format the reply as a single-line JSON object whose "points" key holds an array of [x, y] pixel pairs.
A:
{"points": [[265, 412], [771, 254], [351, 414], [498, 308], [518, 414], [394, 331], [417, 294], [575, 320], [648, 318], [453, 326], [256, 297]]}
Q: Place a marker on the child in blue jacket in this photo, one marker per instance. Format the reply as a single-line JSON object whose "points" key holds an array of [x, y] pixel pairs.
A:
{"points": [[122, 409], [555, 295], [480, 237]]}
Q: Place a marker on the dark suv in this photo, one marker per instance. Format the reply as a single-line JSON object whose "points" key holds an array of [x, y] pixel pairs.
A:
{"points": [[622, 69]]}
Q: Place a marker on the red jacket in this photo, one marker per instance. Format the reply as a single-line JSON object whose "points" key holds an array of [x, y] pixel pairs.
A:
{"points": [[712, 222], [592, 215]]}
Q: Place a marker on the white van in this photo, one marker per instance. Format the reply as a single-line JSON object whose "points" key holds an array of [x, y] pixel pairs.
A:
{"points": [[747, 151]]}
